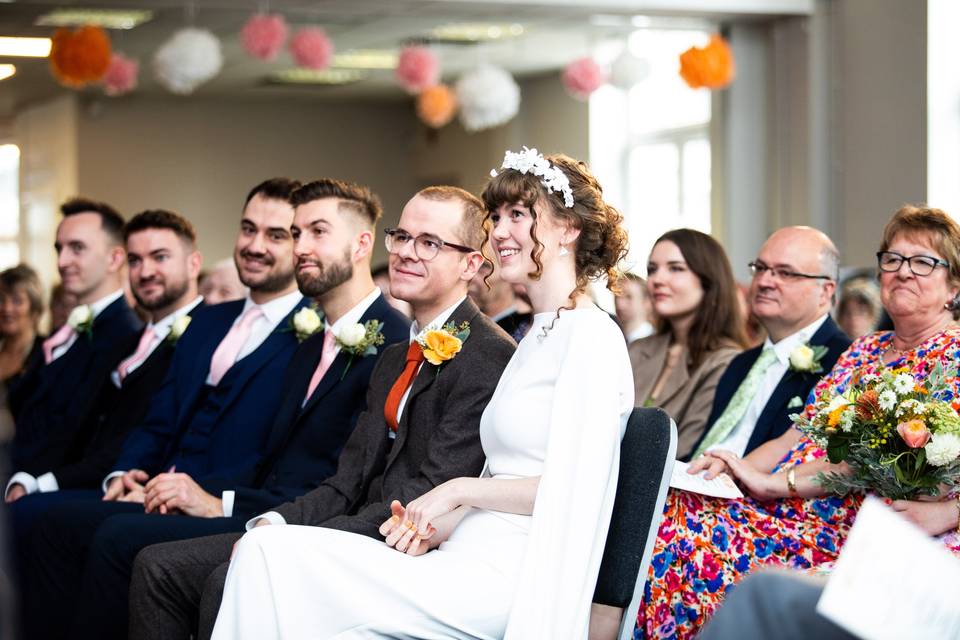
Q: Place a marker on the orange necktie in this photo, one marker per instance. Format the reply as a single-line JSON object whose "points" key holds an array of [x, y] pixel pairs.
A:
{"points": [[390, 409]]}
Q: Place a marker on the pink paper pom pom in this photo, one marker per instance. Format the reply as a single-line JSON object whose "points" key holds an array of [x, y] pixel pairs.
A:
{"points": [[311, 48], [582, 77], [417, 69], [121, 75], [263, 35]]}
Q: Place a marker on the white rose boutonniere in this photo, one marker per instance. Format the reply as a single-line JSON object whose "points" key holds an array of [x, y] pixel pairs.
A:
{"points": [[360, 340], [177, 328], [806, 358], [306, 322], [81, 319]]}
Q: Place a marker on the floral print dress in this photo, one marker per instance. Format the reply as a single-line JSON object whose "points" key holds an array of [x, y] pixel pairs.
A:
{"points": [[706, 545]]}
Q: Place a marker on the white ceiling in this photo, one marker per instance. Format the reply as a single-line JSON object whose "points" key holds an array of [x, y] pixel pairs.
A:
{"points": [[557, 31]]}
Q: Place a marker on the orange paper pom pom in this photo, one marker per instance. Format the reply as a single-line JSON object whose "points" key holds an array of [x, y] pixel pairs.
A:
{"points": [[80, 57], [436, 106], [711, 67]]}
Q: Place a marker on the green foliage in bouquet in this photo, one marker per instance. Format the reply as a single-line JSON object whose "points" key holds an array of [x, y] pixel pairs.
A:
{"points": [[901, 438]]}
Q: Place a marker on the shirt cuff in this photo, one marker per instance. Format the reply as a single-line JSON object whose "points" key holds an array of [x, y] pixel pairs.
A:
{"points": [[110, 476], [24, 479], [270, 516], [48, 482], [227, 499]]}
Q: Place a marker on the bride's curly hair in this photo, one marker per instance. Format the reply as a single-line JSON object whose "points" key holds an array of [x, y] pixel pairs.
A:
{"points": [[602, 242]]}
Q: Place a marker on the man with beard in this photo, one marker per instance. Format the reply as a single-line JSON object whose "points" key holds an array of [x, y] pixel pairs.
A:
{"points": [[163, 266], [210, 416]]}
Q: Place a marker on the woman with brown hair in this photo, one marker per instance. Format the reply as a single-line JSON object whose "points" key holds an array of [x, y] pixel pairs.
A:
{"points": [[21, 305], [694, 295]]}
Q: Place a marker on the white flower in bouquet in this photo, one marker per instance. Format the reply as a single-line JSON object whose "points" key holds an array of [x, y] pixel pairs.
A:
{"points": [[836, 402], [909, 406], [903, 383], [352, 335], [306, 321], [888, 400], [942, 449], [802, 358], [80, 316]]}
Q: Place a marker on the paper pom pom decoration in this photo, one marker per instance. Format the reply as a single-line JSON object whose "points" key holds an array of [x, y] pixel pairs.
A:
{"points": [[628, 70], [417, 69], [121, 75], [582, 77], [311, 48], [79, 57], [488, 97], [711, 67], [263, 35], [187, 60], [436, 106]]}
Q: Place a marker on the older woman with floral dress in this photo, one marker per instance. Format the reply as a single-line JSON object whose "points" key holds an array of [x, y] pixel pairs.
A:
{"points": [[705, 545]]}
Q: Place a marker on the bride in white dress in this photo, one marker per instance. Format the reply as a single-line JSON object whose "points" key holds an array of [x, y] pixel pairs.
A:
{"points": [[514, 553]]}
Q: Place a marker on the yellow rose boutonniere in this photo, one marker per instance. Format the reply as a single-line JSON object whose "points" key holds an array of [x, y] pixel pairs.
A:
{"points": [[441, 345], [177, 328]]}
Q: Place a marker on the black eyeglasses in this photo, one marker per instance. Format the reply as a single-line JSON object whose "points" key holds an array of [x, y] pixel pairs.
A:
{"points": [[785, 275], [426, 246], [891, 261]]}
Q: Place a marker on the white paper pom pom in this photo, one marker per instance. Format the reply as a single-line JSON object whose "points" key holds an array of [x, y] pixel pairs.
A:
{"points": [[628, 70], [187, 60], [488, 97]]}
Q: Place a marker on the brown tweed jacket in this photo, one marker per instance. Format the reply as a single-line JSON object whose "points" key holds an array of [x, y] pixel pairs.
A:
{"points": [[437, 439]]}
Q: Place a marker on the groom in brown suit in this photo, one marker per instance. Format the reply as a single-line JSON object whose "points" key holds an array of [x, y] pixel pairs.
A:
{"points": [[420, 429]]}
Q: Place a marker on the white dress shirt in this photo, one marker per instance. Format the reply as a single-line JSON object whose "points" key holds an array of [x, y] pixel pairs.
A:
{"points": [[96, 308], [349, 318], [275, 518], [739, 437]]}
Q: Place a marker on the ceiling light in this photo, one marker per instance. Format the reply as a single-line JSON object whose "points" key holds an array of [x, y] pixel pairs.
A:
{"points": [[311, 76], [7, 70], [477, 31], [24, 47], [106, 18], [366, 59]]}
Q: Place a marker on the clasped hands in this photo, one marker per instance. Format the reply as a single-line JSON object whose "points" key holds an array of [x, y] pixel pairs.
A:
{"points": [[165, 493], [418, 527]]}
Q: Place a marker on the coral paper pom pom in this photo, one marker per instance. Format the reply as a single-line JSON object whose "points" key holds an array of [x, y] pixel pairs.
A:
{"points": [[436, 106], [417, 69], [121, 75], [263, 35], [311, 48], [711, 67], [582, 77], [79, 57]]}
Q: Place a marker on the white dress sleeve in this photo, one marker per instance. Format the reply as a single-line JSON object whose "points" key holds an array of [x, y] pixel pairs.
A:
{"points": [[592, 399]]}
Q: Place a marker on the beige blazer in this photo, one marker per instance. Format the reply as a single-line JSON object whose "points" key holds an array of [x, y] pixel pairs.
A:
{"points": [[687, 395]]}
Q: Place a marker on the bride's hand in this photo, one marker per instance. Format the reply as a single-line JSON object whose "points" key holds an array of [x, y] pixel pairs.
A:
{"points": [[439, 501], [401, 534], [933, 517]]}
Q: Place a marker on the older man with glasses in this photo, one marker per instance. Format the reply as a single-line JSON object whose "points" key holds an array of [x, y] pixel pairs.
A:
{"points": [[794, 279]]}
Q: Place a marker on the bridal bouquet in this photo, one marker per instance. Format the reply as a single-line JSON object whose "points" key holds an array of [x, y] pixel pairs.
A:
{"points": [[900, 437]]}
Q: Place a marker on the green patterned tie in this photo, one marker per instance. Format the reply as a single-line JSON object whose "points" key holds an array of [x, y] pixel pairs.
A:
{"points": [[738, 403]]}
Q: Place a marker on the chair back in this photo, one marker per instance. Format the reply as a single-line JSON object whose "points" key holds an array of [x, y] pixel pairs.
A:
{"points": [[647, 453]]}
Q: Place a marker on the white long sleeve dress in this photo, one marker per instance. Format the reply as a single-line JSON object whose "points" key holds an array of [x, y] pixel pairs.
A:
{"points": [[558, 412]]}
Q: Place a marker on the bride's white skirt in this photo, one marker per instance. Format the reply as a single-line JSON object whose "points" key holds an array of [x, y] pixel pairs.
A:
{"points": [[310, 582]]}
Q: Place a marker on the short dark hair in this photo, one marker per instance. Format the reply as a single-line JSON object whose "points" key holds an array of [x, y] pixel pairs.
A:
{"points": [[274, 188], [161, 219], [355, 197], [110, 220]]}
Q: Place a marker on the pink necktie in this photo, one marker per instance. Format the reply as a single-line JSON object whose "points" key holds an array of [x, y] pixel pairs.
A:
{"points": [[146, 342], [326, 359], [226, 354], [62, 336]]}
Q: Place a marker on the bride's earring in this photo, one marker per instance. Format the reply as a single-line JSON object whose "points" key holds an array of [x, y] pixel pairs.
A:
{"points": [[563, 251]]}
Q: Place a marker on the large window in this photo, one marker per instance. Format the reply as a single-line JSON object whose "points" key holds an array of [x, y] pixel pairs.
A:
{"points": [[9, 205], [650, 145]]}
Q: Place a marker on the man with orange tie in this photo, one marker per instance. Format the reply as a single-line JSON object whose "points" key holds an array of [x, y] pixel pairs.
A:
{"points": [[420, 428]]}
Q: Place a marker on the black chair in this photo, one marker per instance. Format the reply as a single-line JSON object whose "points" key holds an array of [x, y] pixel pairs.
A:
{"points": [[647, 453]]}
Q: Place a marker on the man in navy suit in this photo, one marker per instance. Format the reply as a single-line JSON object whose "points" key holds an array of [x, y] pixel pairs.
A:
{"points": [[90, 259], [212, 413], [794, 279], [163, 267]]}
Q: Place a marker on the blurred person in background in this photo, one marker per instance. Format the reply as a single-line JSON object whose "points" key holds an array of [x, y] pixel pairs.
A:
{"points": [[62, 303], [859, 309], [381, 278], [222, 283], [21, 345], [497, 299], [633, 308]]}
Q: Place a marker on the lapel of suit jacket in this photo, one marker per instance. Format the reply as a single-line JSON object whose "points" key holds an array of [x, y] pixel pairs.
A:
{"points": [[202, 354], [677, 379], [428, 374]]}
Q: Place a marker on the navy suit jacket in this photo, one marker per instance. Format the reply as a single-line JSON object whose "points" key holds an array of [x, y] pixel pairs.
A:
{"points": [[246, 401], [774, 420], [47, 424], [305, 443]]}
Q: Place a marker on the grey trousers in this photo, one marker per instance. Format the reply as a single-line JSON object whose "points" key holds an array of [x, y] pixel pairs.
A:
{"points": [[176, 587], [773, 604]]}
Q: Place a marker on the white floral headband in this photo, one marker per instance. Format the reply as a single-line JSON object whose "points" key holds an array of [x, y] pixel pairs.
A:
{"points": [[531, 161]]}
